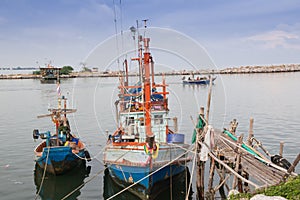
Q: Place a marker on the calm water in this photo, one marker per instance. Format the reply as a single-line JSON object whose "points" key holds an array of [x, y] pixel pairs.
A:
{"points": [[271, 99]]}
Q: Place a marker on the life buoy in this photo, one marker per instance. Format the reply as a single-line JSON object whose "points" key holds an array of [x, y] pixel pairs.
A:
{"points": [[147, 149], [152, 151], [155, 152]]}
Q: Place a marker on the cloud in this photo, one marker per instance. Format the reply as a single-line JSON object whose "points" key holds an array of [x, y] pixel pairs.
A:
{"points": [[95, 11], [276, 38]]}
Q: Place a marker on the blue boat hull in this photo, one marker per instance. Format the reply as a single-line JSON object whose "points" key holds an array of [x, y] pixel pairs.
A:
{"points": [[60, 159], [200, 82], [135, 173], [175, 186]]}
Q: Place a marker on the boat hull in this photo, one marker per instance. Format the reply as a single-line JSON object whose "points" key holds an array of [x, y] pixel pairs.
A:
{"points": [[60, 159], [199, 82], [177, 185], [137, 166], [129, 173], [48, 80]]}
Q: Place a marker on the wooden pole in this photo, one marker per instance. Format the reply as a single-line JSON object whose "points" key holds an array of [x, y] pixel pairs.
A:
{"points": [[295, 163], [209, 98], [238, 161], [232, 171], [281, 148], [222, 181], [250, 135], [211, 178], [200, 164]]}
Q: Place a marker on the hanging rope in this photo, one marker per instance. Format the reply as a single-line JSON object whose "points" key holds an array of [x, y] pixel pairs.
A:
{"points": [[44, 173], [194, 163]]}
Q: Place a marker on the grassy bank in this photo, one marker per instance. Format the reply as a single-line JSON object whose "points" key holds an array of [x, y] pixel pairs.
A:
{"points": [[288, 190]]}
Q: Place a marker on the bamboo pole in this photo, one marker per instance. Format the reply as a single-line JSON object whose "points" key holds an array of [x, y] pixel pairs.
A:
{"points": [[238, 160], [250, 135], [232, 171], [222, 181], [233, 126], [200, 164], [211, 177], [281, 148], [295, 163], [209, 98], [229, 168]]}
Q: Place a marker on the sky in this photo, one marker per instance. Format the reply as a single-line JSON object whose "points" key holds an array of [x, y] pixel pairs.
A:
{"points": [[233, 32]]}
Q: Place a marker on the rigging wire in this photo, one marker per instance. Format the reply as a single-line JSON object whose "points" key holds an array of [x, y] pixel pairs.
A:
{"points": [[121, 21], [116, 32]]}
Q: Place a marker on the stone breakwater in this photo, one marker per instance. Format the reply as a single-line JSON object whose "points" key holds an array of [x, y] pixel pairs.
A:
{"points": [[262, 69], [231, 70]]}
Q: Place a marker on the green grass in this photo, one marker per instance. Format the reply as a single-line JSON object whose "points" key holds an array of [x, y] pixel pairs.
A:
{"points": [[288, 190]]}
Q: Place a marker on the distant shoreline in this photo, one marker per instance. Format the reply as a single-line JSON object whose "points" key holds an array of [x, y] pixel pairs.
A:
{"points": [[232, 70]]}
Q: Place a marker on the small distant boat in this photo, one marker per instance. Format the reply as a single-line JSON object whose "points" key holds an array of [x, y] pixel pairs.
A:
{"points": [[199, 80], [144, 149], [61, 151], [49, 74]]}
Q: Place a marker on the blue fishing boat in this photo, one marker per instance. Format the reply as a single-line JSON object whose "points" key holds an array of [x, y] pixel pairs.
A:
{"points": [[61, 151], [144, 150], [199, 80]]}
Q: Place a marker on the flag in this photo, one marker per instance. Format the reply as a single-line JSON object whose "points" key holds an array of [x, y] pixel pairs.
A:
{"points": [[200, 124], [58, 89]]}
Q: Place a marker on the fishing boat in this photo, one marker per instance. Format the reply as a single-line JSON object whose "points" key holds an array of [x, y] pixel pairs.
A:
{"points": [[143, 150], [199, 80], [61, 151], [49, 74]]}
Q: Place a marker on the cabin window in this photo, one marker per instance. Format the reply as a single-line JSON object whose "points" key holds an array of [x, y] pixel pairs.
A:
{"points": [[158, 119], [129, 120], [142, 121]]}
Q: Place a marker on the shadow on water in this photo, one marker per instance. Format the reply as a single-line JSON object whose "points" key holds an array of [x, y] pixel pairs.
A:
{"points": [[164, 190], [57, 187]]}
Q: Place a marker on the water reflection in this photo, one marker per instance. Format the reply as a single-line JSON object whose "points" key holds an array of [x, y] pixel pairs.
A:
{"points": [[175, 190], [57, 187]]}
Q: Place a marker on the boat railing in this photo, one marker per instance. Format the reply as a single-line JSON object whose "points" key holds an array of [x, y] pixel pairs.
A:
{"points": [[135, 106]]}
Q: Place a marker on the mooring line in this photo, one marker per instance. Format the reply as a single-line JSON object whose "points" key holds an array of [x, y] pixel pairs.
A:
{"points": [[81, 185], [44, 173], [146, 177]]}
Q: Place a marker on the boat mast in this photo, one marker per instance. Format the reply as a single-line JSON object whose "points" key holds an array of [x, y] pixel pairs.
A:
{"points": [[147, 88], [126, 72]]}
